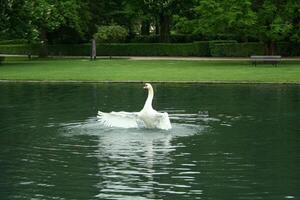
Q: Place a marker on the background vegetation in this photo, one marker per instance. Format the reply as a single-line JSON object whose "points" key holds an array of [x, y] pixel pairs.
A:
{"points": [[269, 23]]}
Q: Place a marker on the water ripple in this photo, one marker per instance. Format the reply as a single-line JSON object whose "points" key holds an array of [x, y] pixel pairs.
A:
{"points": [[130, 160]]}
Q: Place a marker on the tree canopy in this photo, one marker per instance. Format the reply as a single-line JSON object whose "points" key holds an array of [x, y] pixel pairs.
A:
{"points": [[77, 21]]}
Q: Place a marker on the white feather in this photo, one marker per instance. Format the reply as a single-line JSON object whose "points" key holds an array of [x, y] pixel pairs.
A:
{"points": [[119, 119], [147, 117]]}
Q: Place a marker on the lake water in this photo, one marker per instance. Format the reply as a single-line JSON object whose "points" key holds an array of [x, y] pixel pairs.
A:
{"points": [[227, 142]]}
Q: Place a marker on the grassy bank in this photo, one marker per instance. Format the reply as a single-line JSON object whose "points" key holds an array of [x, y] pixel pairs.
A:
{"points": [[130, 70]]}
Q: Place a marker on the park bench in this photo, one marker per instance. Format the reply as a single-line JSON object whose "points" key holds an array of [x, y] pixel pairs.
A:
{"points": [[274, 60], [1, 59]]}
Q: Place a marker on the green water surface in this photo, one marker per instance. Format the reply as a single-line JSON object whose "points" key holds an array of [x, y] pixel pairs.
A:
{"points": [[227, 142]]}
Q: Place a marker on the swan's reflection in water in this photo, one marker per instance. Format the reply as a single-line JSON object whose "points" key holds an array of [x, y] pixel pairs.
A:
{"points": [[129, 168], [139, 163]]}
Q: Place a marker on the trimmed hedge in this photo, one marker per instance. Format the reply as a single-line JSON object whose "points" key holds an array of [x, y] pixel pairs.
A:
{"points": [[53, 50], [174, 38], [157, 49], [214, 42], [288, 49], [202, 48], [118, 49], [2, 58], [228, 49], [69, 50], [19, 49], [16, 41], [253, 48], [237, 49], [145, 39]]}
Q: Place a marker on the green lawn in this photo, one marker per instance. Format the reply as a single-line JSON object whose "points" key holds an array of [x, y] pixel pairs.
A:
{"points": [[130, 70]]}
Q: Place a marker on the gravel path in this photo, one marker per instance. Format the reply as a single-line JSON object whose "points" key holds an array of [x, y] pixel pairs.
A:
{"points": [[163, 58]]}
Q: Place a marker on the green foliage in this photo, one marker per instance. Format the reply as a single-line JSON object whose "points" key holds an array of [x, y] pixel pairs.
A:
{"points": [[220, 19], [4, 18], [157, 49], [203, 48], [16, 41], [214, 42], [53, 50], [140, 49], [2, 58], [273, 24], [19, 49], [115, 49], [76, 21], [237, 49], [184, 38], [145, 39], [13, 19], [33, 20], [175, 38], [292, 13], [288, 49], [69, 50], [109, 34], [226, 48], [184, 25], [163, 11]]}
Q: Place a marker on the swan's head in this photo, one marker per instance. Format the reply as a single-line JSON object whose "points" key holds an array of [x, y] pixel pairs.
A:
{"points": [[147, 86]]}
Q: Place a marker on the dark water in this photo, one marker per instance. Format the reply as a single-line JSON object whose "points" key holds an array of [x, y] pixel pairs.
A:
{"points": [[227, 142]]}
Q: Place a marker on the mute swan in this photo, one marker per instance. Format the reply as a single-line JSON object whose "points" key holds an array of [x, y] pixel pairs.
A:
{"points": [[147, 117]]}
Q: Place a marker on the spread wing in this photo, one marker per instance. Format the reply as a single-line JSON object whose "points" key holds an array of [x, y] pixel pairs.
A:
{"points": [[120, 119], [163, 121]]}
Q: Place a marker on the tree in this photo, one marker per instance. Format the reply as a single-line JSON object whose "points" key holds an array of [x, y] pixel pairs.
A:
{"points": [[4, 16], [74, 27], [74, 21], [293, 12], [164, 11], [220, 19], [47, 16], [113, 33], [273, 22], [13, 19]]}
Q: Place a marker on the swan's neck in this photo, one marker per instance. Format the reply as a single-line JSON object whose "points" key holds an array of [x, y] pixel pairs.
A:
{"points": [[148, 104]]}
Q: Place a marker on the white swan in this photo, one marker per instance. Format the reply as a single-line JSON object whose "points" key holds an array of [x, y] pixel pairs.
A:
{"points": [[147, 117]]}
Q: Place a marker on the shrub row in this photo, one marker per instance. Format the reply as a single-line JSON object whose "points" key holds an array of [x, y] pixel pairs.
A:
{"points": [[237, 49], [217, 49], [19, 49], [16, 41], [53, 50], [69, 50], [288, 49], [157, 49], [175, 38], [118, 49], [252, 48]]}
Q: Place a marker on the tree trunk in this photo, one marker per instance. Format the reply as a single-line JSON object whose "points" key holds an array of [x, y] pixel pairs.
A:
{"points": [[273, 48], [164, 22], [156, 27], [145, 28], [43, 52], [270, 48], [131, 33]]}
